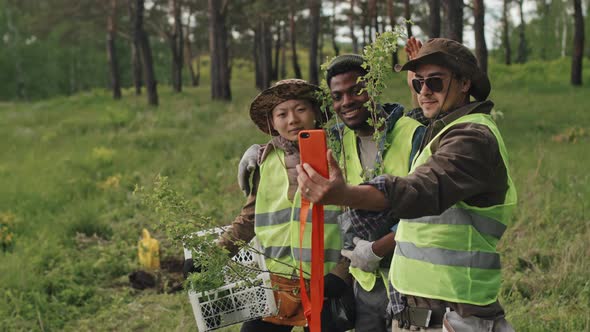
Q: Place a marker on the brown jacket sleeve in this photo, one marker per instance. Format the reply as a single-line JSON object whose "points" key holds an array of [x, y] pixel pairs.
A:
{"points": [[241, 229], [466, 165]]}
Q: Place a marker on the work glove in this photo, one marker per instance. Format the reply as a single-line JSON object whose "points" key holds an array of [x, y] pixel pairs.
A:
{"points": [[246, 166], [334, 286], [362, 256]]}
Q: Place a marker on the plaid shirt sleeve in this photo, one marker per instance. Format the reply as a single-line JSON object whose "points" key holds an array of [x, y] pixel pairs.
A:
{"points": [[362, 221]]}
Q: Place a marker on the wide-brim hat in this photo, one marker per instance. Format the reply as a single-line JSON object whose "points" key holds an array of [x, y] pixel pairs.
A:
{"points": [[282, 91], [457, 57]]}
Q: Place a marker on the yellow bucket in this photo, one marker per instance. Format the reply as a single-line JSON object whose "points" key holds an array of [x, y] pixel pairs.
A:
{"points": [[148, 251]]}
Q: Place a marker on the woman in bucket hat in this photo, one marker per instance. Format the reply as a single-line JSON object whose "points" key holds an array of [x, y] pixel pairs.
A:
{"points": [[454, 205], [272, 210]]}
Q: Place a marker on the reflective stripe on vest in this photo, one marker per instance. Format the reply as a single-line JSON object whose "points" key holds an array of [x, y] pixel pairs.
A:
{"points": [[277, 222], [395, 162], [453, 256]]}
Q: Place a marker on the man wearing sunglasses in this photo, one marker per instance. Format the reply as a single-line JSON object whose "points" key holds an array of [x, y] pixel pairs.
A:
{"points": [[454, 205], [370, 245]]}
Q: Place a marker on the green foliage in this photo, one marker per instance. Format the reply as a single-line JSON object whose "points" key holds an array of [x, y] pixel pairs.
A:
{"points": [[377, 61]]}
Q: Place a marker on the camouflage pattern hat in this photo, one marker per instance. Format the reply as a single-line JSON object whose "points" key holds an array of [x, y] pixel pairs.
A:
{"points": [[282, 91], [455, 56]]}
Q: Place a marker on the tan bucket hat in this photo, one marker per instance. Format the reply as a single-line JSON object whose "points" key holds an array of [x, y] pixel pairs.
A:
{"points": [[452, 54], [282, 91]]}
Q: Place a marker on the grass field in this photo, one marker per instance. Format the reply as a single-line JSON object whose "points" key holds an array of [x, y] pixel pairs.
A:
{"points": [[69, 166]]}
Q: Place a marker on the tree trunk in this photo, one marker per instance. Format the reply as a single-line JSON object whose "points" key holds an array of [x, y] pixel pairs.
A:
{"points": [[188, 55], [408, 17], [264, 53], [371, 14], [355, 46], [176, 45], [220, 88], [434, 16], [278, 46], [198, 76], [506, 33], [545, 19], [292, 35], [112, 50], [320, 50], [578, 51], [135, 52], [391, 15], [366, 39], [14, 45], [454, 9], [146, 54], [257, 57], [521, 57], [334, 44], [314, 16], [481, 49], [283, 70]]}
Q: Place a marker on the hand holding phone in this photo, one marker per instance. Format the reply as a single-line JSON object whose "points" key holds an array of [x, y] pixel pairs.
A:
{"points": [[313, 150]]}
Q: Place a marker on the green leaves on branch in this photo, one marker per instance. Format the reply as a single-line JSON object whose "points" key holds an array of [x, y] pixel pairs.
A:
{"points": [[379, 70], [181, 223]]}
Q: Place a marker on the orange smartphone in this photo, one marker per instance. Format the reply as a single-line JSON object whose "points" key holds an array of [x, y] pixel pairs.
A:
{"points": [[313, 149]]}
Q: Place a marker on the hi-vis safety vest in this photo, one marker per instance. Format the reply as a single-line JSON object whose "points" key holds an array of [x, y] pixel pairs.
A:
{"points": [[452, 256], [396, 161], [277, 223]]}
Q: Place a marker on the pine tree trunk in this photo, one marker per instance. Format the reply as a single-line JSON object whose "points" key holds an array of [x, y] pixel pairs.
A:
{"points": [[334, 44], [578, 51], [146, 55], [13, 46], [266, 53], [455, 19], [521, 57], [278, 46], [355, 46], [198, 76], [135, 52], [176, 44], [481, 49], [292, 36], [112, 50], [188, 55], [506, 34], [314, 15], [257, 57], [391, 15], [220, 88], [434, 16], [320, 50], [408, 17], [283, 70]]}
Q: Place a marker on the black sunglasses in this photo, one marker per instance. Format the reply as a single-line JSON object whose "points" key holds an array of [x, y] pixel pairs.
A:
{"points": [[435, 84]]}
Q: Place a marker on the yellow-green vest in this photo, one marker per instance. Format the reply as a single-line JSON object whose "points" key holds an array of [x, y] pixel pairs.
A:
{"points": [[453, 256], [277, 223], [396, 161]]}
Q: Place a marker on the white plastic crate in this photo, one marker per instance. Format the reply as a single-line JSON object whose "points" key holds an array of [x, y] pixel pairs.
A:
{"points": [[235, 301]]}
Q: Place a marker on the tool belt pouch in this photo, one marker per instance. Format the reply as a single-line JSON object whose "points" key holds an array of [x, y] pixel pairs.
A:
{"points": [[288, 299]]}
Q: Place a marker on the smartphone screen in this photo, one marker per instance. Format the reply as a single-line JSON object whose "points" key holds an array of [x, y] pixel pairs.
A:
{"points": [[313, 149]]}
